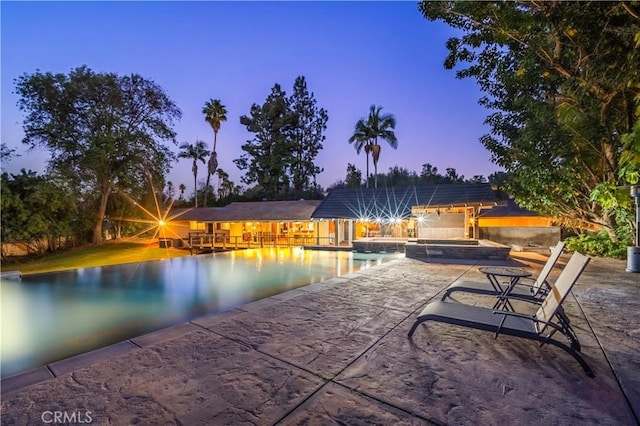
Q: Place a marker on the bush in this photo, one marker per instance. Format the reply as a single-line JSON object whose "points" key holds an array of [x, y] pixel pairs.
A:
{"points": [[599, 244]]}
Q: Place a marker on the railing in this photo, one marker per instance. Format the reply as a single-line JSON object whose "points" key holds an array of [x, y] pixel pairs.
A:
{"points": [[209, 241]]}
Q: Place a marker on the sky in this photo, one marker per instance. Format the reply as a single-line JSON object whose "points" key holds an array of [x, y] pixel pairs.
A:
{"points": [[352, 55]]}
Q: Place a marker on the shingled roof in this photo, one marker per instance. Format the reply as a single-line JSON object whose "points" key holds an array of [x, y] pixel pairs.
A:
{"points": [[397, 201], [257, 211], [270, 210]]}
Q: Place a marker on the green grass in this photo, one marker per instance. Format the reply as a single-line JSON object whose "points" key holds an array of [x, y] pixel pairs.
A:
{"points": [[110, 253]]}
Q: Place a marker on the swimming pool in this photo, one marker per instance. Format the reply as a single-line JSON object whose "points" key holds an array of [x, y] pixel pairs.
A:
{"points": [[47, 317]]}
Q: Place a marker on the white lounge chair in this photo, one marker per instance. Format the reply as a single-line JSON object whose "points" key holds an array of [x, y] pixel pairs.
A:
{"points": [[540, 326]]}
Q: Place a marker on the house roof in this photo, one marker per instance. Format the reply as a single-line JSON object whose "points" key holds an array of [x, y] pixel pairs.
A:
{"points": [[201, 214], [300, 210], [397, 201], [270, 210], [510, 209]]}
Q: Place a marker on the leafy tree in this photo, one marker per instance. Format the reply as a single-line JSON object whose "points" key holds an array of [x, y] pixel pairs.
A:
{"points": [[562, 83], [215, 114], [354, 177], [429, 174], [268, 155], [289, 132], [37, 211], [367, 133], [399, 176], [99, 128], [5, 152], [308, 135], [197, 152]]}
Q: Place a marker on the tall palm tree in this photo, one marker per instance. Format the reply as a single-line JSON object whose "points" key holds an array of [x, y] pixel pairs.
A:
{"points": [[196, 152], [362, 140], [182, 188], [214, 114], [380, 126]]}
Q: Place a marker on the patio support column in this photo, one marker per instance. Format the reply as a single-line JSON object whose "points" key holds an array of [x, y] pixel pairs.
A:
{"points": [[350, 241], [476, 230], [466, 223]]}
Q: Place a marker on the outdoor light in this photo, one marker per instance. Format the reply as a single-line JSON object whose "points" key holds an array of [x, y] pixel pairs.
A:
{"points": [[420, 219], [161, 223]]}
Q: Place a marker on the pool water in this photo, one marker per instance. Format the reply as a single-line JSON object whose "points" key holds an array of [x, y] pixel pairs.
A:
{"points": [[48, 317]]}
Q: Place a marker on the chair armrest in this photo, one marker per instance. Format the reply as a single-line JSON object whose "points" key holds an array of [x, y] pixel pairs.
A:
{"points": [[521, 299]]}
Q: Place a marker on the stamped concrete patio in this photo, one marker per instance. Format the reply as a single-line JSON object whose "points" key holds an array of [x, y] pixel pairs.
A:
{"points": [[337, 352]]}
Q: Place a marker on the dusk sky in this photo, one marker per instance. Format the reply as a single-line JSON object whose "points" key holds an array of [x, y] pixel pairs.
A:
{"points": [[352, 54]]}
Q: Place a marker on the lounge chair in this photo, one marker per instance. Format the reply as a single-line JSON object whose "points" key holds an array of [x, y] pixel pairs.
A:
{"points": [[536, 291], [540, 326]]}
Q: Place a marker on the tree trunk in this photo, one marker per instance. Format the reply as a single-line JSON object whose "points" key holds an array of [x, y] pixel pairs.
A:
{"points": [[194, 169], [104, 197], [206, 190], [367, 179]]}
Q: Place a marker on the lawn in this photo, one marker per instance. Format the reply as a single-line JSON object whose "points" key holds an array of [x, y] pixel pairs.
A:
{"points": [[109, 253]]}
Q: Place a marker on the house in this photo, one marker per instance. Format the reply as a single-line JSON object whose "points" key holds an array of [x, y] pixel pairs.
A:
{"points": [[429, 212]]}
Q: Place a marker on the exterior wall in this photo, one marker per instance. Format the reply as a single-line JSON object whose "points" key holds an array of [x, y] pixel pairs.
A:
{"points": [[445, 226], [532, 236], [521, 221]]}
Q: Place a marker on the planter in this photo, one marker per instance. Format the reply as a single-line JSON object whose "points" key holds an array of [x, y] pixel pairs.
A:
{"points": [[633, 259]]}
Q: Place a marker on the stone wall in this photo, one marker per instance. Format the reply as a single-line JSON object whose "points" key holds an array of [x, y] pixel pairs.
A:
{"points": [[525, 237]]}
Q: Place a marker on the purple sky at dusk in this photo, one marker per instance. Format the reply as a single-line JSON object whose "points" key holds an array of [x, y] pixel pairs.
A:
{"points": [[353, 54]]}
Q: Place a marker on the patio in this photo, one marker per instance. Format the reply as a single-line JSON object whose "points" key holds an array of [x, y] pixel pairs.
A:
{"points": [[337, 352]]}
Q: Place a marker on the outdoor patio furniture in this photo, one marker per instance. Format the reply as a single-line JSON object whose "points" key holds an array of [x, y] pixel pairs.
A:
{"points": [[513, 286], [540, 326]]}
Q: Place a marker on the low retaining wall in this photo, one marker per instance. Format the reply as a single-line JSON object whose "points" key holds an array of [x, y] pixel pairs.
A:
{"points": [[377, 246], [482, 251]]}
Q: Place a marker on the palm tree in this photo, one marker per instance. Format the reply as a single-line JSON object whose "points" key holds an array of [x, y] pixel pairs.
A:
{"points": [[196, 152], [182, 188], [380, 127], [362, 139], [214, 114]]}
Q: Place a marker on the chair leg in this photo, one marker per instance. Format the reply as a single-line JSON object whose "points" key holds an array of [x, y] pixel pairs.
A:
{"points": [[415, 325]]}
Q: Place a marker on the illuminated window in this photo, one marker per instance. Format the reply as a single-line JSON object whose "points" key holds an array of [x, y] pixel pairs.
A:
{"points": [[196, 226]]}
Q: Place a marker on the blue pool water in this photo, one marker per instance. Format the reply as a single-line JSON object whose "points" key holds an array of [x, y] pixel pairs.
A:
{"points": [[47, 317]]}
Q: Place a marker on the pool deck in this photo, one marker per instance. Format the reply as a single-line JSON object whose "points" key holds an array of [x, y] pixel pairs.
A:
{"points": [[337, 352]]}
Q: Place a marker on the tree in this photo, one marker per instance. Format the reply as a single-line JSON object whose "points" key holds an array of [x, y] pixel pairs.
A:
{"points": [[400, 176], [37, 211], [197, 152], [289, 132], [429, 174], [308, 135], [361, 139], [215, 114], [367, 132], [268, 155], [182, 188], [5, 152], [171, 191], [99, 128], [562, 83], [354, 177]]}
